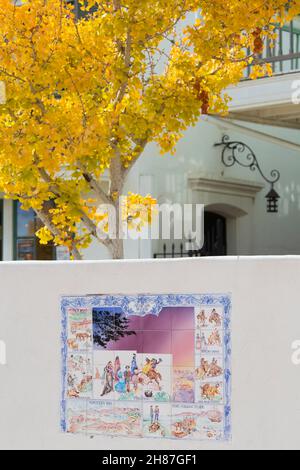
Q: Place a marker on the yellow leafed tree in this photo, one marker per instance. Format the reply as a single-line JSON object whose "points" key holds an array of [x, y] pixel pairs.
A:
{"points": [[84, 96]]}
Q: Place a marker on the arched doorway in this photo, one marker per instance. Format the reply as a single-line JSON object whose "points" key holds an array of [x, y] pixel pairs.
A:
{"points": [[215, 235]]}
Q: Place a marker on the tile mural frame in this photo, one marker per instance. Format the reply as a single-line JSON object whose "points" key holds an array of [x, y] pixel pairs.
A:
{"points": [[142, 305]]}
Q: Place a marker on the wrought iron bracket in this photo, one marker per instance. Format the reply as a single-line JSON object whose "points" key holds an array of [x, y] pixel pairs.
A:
{"points": [[236, 152]]}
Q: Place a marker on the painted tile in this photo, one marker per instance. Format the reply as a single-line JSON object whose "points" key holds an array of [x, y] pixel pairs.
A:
{"points": [[99, 417], [76, 410], [79, 329], [128, 417], [211, 391], [157, 419], [208, 367], [79, 376], [199, 423], [158, 384], [211, 340], [184, 385]]}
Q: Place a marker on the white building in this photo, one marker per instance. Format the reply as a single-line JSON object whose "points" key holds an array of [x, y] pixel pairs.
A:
{"points": [[263, 115]]}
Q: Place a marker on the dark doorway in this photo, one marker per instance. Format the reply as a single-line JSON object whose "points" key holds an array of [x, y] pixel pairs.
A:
{"points": [[215, 242]]}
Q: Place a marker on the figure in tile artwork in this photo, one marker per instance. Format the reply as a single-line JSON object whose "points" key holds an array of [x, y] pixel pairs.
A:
{"points": [[108, 379]]}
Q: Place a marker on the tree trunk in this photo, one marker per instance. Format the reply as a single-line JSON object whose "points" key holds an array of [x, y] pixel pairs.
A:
{"points": [[76, 254], [117, 249], [117, 183]]}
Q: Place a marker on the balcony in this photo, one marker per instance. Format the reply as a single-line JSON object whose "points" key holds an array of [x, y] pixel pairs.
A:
{"points": [[284, 56], [271, 100]]}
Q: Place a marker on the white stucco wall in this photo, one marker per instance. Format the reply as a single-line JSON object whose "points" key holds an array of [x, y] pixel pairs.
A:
{"points": [[265, 323], [259, 233]]}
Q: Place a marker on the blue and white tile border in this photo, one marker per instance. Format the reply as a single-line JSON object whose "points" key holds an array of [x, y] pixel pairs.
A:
{"points": [[144, 304]]}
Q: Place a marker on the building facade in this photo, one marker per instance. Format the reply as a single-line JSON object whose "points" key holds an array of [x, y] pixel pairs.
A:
{"points": [[265, 117]]}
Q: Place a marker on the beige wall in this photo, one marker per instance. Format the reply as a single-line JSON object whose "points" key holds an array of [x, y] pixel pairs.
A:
{"points": [[265, 323]]}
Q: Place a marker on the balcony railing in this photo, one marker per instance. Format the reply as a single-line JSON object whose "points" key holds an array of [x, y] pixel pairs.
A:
{"points": [[284, 55]]}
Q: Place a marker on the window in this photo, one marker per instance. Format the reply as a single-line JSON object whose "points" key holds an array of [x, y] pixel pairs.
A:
{"points": [[27, 246]]}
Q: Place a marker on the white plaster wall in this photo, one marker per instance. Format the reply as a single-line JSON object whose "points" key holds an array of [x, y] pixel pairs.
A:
{"points": [[263, 234], [265, 322]]}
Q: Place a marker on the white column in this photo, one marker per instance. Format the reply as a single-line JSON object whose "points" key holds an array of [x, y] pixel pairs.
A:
{"points": [[8, 230]]}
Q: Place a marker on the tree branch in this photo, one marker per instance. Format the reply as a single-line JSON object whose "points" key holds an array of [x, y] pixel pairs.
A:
{"points": [[84, 113], [141, 145], [94, 185], [127, 55], [76, 253], [89, 224]]}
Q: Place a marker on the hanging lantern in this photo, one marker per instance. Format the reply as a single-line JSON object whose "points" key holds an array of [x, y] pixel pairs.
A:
{"points": [[272, 201]]}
